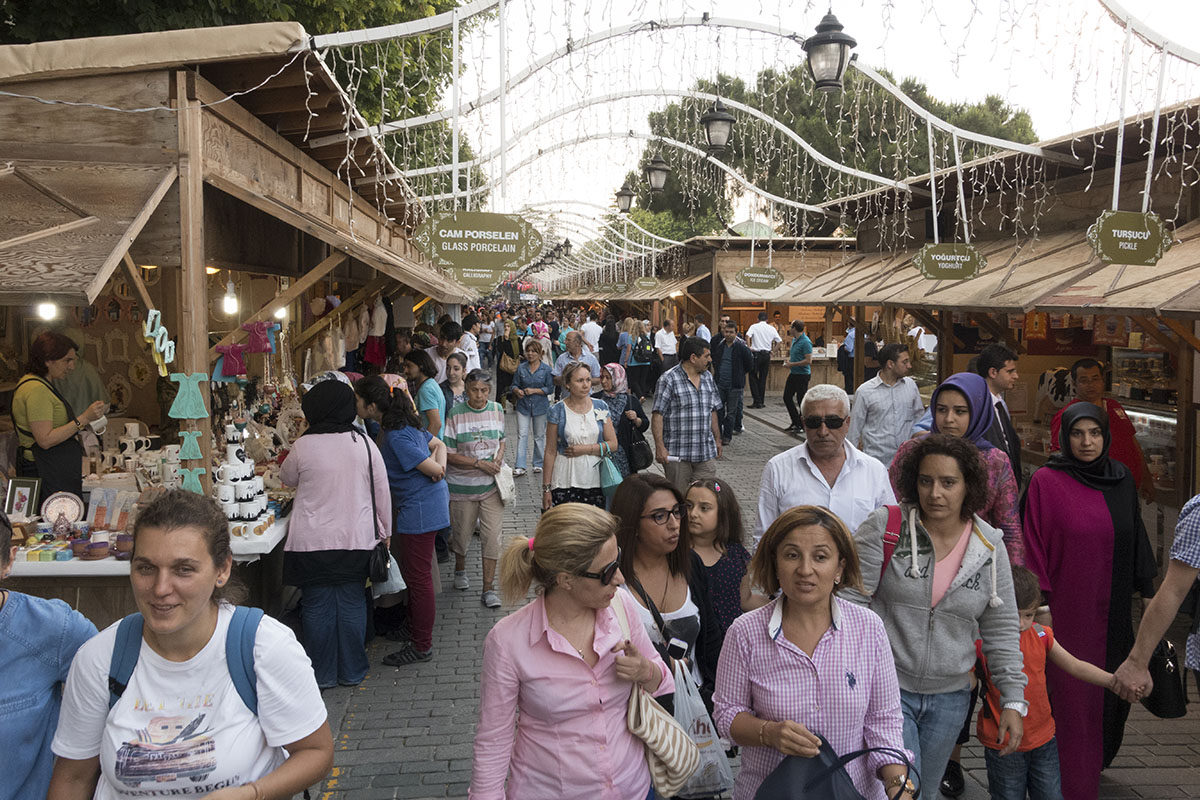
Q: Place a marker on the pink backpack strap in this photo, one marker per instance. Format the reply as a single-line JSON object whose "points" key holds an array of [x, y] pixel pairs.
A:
{"points": [[891, 537]]}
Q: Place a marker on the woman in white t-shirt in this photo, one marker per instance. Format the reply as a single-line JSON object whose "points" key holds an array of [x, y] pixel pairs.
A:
{"points": [[180, 726]]}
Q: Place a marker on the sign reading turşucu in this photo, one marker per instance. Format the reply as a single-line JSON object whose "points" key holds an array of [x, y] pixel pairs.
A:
{"points": [[478, 240], [950, 261], [1129, 238]]}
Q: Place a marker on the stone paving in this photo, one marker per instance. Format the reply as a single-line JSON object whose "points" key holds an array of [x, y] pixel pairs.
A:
{"points": [[407, 732]]}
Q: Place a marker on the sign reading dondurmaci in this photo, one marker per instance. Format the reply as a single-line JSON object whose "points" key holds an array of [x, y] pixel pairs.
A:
{"points": [[1130, 238], [478, 240], [949, 261]]}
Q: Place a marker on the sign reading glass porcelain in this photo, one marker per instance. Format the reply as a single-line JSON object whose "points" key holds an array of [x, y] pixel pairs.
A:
{"points": [[478, 241], [949, 261], [761, 278], [1127, 237]]}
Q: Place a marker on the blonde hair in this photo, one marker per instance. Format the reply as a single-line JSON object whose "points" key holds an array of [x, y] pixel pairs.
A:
{"points": [[632, 327], [762, 566], [567, 539]]}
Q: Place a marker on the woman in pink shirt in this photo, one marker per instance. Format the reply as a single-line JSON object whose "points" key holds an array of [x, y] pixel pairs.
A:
{"points": [[557, 673]]}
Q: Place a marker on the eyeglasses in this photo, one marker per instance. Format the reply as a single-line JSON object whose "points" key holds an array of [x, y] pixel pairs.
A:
{"points": [[832, 422], [660, 516], [606, 574]]}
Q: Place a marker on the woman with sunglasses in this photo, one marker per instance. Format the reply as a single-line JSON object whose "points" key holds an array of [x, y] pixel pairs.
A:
{"points": [[665, 577], [557, 674]]}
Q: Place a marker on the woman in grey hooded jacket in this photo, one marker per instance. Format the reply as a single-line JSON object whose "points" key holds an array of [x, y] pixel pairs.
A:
{"points": [[946, 581]]}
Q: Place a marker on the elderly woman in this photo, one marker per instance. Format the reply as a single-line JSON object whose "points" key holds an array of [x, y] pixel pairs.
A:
{"points": [[1085, 540], [946, 582], [810, 663], [38, 640], [580, 426], [343, 507], [47, 426], [625, 409], [258, 732], [557, 674]]}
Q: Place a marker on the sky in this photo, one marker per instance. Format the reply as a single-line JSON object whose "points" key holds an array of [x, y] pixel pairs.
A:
{"points": [[1058, 59]]}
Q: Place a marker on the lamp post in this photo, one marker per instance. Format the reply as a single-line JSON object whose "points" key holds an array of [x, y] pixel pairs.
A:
{"points": [[828, 54], [718, 127], [567, 247], [624, 198], [656, 173]]}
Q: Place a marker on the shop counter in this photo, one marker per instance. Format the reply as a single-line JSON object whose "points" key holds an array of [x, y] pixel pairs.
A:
{"points": [[824, 370]]}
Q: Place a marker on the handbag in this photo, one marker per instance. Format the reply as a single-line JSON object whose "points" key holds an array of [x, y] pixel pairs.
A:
{"points": [[379, 554], [610, 476], [640, 455], [508, 363], [1168, 698], [506, 484], [671, 754], [823, 776]]}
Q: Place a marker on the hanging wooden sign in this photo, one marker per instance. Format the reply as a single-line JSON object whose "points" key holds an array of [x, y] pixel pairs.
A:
{"points": [[1129, 238], [761, 278], [478, 240], [646, 283], [477, 276], [620, 287], [949, 261]]}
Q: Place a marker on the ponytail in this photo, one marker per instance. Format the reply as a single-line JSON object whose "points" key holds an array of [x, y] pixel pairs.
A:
{"points": [[567, 538], [516, 570], [395, 407]]}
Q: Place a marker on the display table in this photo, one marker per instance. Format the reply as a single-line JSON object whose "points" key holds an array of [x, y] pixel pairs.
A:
{"points": [[824, 370]]}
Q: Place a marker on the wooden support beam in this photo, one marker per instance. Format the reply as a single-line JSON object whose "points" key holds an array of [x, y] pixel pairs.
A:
{"points": [[110, 264], [996, 329], [860, 357], [1151, 330], [946, 342], [135, 280], [352, 302], [932, 324], [297, 289], [193, 329], [1184, 331], [714, 321]]}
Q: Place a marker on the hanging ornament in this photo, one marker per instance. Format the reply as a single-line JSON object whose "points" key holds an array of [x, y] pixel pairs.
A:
{"points": [[189, 402]]}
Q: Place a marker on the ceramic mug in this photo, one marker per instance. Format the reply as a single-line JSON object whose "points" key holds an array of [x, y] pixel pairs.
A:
{"points": [[232, 510], [134, 444], [99, 426], [238, 529], [234, 452], [258, 485], [243, 490], [246, 470], [223, 491], [171, 452], [262, 503], [133, 429], [224, 473], [246, 509], [232, 434]]}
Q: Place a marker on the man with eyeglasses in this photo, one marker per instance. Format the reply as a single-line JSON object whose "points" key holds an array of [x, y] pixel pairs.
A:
{"points": [[687, 432], [826, 470]]}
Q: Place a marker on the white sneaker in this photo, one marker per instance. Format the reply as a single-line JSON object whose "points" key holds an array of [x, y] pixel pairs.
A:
{"points": [[490, 599], [461, 581], [519, 472], [537, 470]]}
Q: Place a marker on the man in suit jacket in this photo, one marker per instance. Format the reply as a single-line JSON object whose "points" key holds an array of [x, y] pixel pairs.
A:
{"points": [[998, 366]]}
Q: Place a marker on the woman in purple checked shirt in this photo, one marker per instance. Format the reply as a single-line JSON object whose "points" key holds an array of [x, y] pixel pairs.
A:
{"points": [[810, 663]]}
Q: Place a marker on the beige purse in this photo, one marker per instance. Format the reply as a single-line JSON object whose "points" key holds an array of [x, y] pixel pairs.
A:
{"points": [[670, 753]]}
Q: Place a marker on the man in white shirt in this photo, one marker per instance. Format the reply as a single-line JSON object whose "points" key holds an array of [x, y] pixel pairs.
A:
{"points": [[667, 345], [702, 330], [485, 341], [469, 344], [448, 338], [591, 331], [761, 337], [575, 352], [886, 406], [826, 470]]}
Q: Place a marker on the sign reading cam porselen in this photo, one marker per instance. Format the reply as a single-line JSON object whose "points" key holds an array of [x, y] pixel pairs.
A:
{"points": [[478, 245], [760, 278], [949, 262], [1130, 238]]}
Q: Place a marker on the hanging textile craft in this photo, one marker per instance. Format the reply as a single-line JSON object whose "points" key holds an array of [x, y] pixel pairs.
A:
{"points": [[191, 479], [259, 342], [191, 445], [233, 363], [189, 403]]}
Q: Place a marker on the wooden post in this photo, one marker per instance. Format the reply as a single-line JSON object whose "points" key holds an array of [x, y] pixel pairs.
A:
{"points": [[828, 332], [193, 329], [714, 321], [945, 346], [1185, 430], [860, 365]]}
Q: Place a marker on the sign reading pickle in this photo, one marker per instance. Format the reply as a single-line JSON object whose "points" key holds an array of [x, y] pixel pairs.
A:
{"points": [[1127, 237], [478, 240], [761, 278], [949, 262]]}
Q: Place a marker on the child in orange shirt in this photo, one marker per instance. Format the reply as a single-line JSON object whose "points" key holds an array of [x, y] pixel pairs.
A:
{"points": [[1034, 766]]}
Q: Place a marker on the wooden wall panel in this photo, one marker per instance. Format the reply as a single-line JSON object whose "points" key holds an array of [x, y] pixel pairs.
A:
{"points": [[237, 152]]}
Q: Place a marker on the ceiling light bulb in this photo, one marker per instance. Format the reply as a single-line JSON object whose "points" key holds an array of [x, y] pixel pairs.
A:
{"points": [[211, 270], [281, 312], [47, 311], [230, 302]]}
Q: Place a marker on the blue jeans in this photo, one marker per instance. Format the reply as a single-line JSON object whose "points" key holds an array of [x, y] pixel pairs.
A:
{"points": [[334, 620], [1010, 776], [931, 726], [524, 423], [731, 409]]}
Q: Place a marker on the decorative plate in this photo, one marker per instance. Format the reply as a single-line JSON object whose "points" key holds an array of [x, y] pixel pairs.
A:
{"points": [[62, 503], [120, 393], [139, 372]]}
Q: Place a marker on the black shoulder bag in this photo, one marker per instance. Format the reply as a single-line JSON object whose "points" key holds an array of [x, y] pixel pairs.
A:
{"points": [[379, 554]]}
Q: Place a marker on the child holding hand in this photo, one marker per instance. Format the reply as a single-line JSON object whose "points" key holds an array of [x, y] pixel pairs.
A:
{"points": [[1033, 768]]}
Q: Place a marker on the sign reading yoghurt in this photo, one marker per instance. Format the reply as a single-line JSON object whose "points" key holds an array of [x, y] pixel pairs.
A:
{"points": [[949, 262], [478, 240], [1127, 237]]}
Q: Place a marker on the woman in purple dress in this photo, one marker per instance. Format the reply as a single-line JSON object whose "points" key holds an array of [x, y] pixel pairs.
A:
{"points": [[1085, 539]]}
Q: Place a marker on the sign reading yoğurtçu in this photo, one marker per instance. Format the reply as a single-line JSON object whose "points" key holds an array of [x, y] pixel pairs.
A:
{"points": [[1127, 237], [478, 239], [949, 262]]}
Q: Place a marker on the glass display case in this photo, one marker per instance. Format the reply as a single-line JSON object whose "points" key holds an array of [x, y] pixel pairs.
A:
{"points": [[1144, 378], [1156, 434]]}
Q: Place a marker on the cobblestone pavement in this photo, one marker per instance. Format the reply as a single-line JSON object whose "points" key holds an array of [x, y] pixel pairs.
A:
{"points": [[407, 732]]}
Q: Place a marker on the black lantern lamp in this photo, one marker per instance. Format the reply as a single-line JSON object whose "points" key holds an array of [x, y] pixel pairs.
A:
{"points": [[566, 246], [656, 173], [548, 258], [718, 127], [829, 54], [624, 198]]}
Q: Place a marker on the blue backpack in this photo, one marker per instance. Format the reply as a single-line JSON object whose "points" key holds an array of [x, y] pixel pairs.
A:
{"points": [[239, 655]]}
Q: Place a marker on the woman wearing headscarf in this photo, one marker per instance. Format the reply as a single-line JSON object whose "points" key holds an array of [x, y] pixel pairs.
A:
{"points": [[627, 412], [508, 352], [1085, 540], [961, 406], [342, 507]]}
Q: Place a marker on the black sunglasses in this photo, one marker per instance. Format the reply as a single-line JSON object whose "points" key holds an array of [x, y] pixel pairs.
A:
{"points": [[605, 575], [832, 422], [660, 516]]}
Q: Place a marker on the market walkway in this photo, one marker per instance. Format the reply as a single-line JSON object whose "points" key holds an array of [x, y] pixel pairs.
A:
{"points": [[407, 733]]}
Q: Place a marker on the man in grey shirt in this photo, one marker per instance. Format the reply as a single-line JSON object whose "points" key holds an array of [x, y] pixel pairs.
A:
{"points": [[886, 406]]}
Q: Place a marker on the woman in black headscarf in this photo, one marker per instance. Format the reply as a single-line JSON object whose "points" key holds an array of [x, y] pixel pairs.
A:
{"points": [[1085, 540], [342, 507]]}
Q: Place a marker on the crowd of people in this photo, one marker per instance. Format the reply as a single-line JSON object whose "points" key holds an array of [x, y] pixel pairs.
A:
{"points": [[899, 591]]}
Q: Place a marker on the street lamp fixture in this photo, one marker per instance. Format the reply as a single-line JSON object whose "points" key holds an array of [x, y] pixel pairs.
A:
{"points": [[624, 198], [828, 54], [718, 127], [567, 247], [656, 173]]}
